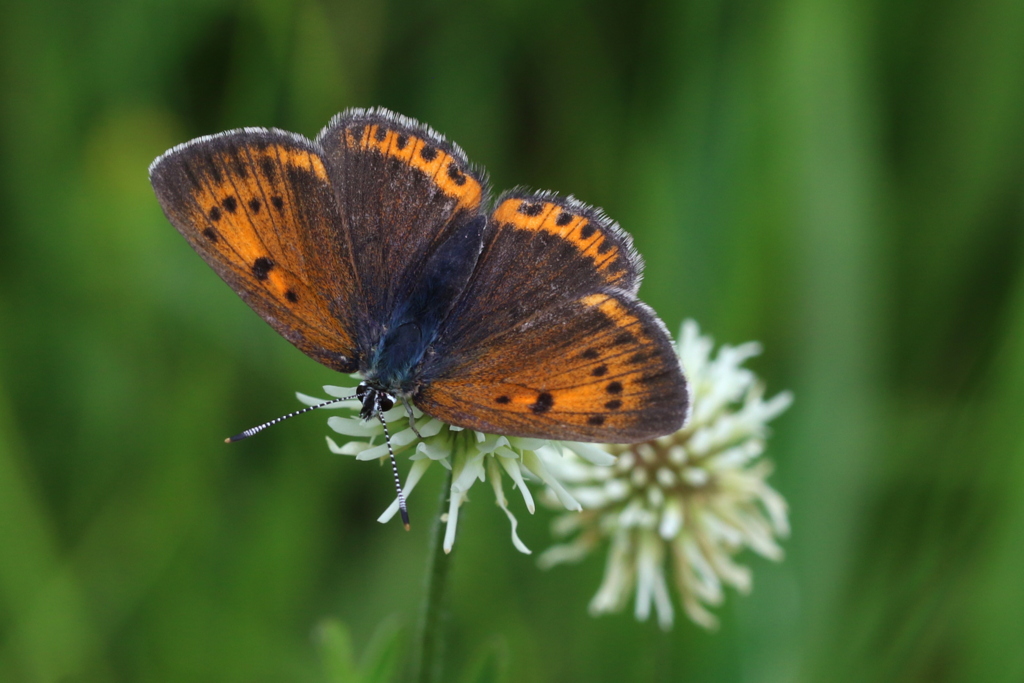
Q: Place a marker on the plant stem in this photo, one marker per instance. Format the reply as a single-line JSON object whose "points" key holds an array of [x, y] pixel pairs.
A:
{"points": [[430, 640]]}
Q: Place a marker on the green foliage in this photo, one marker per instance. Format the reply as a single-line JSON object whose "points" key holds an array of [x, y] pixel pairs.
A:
{"points": [[382, 658], [841, 180], [490, 664]]}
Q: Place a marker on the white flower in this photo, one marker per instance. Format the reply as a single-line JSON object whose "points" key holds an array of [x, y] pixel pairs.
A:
{"points": [[692, 499], [471, 456]]}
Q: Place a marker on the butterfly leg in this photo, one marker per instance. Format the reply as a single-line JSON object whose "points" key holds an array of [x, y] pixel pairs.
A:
{"points": [[412, 418]]}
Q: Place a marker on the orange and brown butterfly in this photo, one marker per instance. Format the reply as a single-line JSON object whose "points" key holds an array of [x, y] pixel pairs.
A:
{"points": [[374, 249]]}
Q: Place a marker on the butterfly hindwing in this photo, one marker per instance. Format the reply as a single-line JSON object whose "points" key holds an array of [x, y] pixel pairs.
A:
{"points": [[402, 190], [258, 206], [599, 367]]}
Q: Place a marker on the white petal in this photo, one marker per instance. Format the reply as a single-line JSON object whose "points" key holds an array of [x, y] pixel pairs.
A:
{"points": [[671, 519], [380, 451], [526, 444], [436, 448], [564, 553], [699, 615], [512, 467], [494, 474], [777, 509], [472, 470], [705, 584], [535, 465], [453, 520], [350, 447], [429, 426], [590, 452], [353, 426], [465, 471], [415, 474], [618, 577]]}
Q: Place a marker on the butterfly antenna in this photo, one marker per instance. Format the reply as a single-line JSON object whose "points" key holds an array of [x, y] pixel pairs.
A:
{"points": [[394, 468], [256, 430]]}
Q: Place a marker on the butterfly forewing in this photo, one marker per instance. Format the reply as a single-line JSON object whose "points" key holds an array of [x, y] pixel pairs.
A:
{"points": [[258, 206], [542, 250], [401, 191]]}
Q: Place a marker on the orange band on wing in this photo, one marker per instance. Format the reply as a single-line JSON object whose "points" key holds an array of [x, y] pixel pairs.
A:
{"points": [[442, 168], [585, 235], [295, 158], [611, 307]]}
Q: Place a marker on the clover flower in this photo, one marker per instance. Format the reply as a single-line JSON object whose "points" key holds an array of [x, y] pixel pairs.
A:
{"points": [[471, 456], [692, 499]]}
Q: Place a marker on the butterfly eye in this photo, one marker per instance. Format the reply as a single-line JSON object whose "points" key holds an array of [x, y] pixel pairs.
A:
{"points": [[385, 402], [361, 391]]}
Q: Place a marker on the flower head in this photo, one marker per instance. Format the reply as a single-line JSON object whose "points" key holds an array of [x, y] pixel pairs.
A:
{"points": [[692, 499], [471, 456]]}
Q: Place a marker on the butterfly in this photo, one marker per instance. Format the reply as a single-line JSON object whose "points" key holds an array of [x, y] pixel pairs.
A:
{"points": [[374, 249]]}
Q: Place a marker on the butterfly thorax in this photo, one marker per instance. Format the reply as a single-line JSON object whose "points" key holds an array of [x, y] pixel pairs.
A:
{"points": [[417, 317], [394, 358]]}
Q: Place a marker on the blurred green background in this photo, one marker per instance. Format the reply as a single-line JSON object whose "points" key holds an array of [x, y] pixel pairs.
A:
{"points": [[841, 180]]}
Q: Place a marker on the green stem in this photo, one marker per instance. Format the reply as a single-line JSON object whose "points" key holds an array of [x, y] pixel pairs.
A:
{"points": [[430, 640]]}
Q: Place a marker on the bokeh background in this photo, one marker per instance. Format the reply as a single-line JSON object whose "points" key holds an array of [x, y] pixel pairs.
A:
{"points": [[839, 179]]}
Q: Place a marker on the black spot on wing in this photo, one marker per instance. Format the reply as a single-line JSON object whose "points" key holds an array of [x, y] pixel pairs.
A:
{"points": [[268, 167], [543, 403], [586, 231], [291, 296], [502, 400], [596, 420], [230, 204], [381, 133], [211, 166], [614, 388], [277, 202], [599, 371], [428, 153], [211, 234], [401, 141], [261, 268], [624, 338], [564, 218], [255, 205], [457, 176], [531, 208], [215, 213], [614, 404], [590, 354], [240, 168]]}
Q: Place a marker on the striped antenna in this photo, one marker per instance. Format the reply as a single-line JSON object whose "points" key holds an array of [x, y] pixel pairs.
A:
{"points": [[394, 468], [256, 430]]}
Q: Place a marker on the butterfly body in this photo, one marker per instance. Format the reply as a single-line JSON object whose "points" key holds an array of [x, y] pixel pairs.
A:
{"points": [[371, 250], [395, 357]]}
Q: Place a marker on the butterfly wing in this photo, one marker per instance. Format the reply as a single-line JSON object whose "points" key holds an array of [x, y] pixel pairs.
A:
{"points": [[550, 340], [402, 191], [258, 206]]}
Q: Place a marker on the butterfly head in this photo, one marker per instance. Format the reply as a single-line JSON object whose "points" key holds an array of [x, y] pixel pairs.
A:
{"points": [[374, 399]]}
